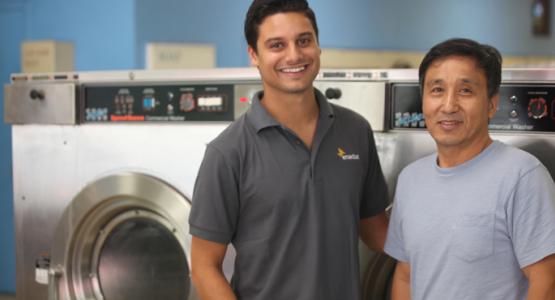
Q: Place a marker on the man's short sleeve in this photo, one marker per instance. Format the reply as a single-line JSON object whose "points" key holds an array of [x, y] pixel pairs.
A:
{"points": [[375, 197], [531, 217], [394, 243], [215, 199]]}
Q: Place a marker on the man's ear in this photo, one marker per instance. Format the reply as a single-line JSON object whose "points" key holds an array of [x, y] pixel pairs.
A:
{"points": [[253, 56], [492, 105]]}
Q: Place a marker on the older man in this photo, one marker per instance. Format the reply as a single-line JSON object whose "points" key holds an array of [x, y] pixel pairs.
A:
{"points": [[476, 220]]}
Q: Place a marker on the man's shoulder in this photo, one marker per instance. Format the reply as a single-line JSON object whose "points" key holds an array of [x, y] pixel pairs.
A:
{"points": [[349, 116], [418, 169], [232, 137], [514, 153], [423, 163], [516, 158]]}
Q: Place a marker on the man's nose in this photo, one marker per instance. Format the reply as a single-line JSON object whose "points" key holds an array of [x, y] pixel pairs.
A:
{"points": [[450, 102], [294, 53]]}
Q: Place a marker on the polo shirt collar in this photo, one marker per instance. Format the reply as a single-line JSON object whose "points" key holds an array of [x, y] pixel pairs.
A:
{"points": [[261, 119]]}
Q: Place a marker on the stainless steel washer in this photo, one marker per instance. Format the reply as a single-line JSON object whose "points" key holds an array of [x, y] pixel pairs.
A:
{"points": [[104, 166]]}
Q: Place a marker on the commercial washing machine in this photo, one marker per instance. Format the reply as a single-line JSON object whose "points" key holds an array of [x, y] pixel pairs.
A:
{"points": [[105, 162], [104, 165]]}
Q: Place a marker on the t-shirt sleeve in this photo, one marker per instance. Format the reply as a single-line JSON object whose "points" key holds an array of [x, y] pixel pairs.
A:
{"points": [[531, 217], [375, 196], [394, 243], [215, 208]]}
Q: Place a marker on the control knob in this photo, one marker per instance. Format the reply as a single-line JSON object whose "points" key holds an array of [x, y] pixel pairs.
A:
{"points": [[37, 94], [514, 99], [513, 113], [537, 108], [333, 93], [187, 102]]}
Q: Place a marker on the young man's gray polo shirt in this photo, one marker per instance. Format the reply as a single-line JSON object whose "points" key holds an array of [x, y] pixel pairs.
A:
{"points": [[292, 213]]}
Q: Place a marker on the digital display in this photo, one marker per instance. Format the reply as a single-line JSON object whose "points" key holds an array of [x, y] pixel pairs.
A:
{"points": [[210, 101]]}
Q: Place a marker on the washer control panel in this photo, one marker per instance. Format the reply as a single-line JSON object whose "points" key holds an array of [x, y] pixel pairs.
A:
{"points": [[522, 107], [158, 103], [525, 108]]}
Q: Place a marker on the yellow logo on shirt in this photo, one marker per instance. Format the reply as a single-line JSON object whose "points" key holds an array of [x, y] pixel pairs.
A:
{"points": [[341, 153]]}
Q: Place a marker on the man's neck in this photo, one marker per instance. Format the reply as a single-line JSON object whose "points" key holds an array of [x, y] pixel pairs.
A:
{"points": [[291, 110], [298, 112], [449, 157]]}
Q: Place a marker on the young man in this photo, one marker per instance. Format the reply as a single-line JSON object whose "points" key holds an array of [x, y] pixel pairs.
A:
{"points": [[477, 219], [275, 183]]}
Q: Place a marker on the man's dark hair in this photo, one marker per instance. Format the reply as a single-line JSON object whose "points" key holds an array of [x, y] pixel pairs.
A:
{"points": [[487, 58], [260, 9]]}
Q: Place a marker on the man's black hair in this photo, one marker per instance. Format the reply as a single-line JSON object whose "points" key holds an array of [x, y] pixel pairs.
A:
{"points": [[487, 58], [260, 9]]}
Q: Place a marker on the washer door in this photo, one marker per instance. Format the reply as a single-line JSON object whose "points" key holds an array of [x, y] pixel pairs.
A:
{"points": [[378, 277], [124, 236]]}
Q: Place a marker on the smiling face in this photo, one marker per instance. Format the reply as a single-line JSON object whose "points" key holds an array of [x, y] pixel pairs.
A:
{"points": [[456, 105], [287, 55]]}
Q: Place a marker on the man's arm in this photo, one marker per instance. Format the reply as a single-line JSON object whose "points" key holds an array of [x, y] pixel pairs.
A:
{"points": [[373, 231], [541, 277], [206, 270], [401, 282]]}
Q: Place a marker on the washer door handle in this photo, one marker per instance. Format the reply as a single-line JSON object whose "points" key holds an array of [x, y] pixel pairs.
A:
{"points": [[54, 275]]}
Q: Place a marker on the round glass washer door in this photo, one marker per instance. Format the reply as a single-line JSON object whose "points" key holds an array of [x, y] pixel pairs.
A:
{"points": [[138, 257], [124, 236]]}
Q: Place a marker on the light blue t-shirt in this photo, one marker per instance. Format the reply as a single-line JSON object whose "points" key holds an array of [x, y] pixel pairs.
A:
{"points": [[467, 231]]}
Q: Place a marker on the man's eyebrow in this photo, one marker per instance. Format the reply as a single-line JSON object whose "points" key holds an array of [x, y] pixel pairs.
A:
{"points": [[305, 34], [469, 81], [435, 81], [439, 80], [278, 39], [275, 39]]}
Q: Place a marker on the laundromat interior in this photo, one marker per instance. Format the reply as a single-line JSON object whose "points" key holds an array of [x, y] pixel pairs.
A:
{"points": [[96, 43]]}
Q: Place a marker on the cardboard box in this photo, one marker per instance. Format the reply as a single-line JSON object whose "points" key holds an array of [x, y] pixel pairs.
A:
{"points": [[179, 56], [46, 56]]}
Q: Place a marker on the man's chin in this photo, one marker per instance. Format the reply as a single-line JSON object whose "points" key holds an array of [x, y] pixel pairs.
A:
{"points": [[297, 89], [447, 141]]}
